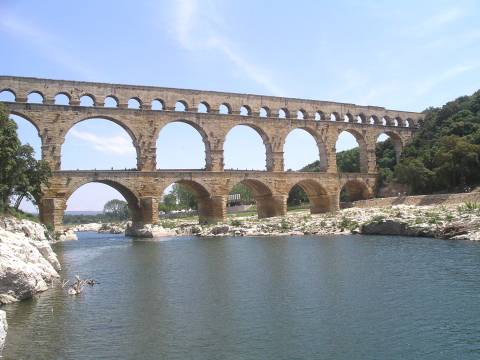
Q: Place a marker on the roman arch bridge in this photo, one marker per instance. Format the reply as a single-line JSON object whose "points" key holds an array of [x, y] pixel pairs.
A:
{"points": [[273, 118]]}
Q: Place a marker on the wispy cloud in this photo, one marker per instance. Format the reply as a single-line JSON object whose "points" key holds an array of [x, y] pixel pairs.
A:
{"points": [[46, 44], [437, 21], [425, 86], [116, 145], [199, 28]]}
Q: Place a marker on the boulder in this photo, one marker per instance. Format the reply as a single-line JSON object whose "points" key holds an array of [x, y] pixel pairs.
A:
{"points": [[67, 235], [27, 264], [387, 227], [3, 330], [148, 231], [220, 230]]}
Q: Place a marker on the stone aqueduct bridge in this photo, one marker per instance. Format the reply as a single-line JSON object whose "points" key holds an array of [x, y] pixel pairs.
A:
{"points": [[143, 187]]}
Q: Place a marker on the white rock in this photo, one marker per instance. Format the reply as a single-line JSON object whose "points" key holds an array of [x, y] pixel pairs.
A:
{"points": [[87, 227], [3, 330], [27, 265], [67, 235]]}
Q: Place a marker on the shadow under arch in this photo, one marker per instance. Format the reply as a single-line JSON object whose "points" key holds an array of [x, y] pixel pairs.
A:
{"points": [[320, 201], [354, 190], [322, 147], [114, 120], [267, 204], [269, 160], [203, 134]]}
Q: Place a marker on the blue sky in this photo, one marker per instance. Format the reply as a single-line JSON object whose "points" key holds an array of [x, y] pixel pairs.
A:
{"points": [[402, 55]]}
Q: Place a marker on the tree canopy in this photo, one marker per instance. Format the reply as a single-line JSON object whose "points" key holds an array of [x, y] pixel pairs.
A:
{"points": [[21, 175]]}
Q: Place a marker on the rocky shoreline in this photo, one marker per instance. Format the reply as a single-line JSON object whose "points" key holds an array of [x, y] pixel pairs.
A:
{"points": [[445, 222], [28, 264]]}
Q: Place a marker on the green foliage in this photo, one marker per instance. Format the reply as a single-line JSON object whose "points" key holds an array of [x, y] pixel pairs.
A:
{"points": [[285, 225], [347, 223], [444, 154], [117, 209], [469, 208], [179, 198], [297, 196], [236, 222], [21, 175], [349, 160], [246, 195]]}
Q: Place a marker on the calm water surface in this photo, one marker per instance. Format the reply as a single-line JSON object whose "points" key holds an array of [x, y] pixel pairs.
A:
{"points": [[350, 297]]}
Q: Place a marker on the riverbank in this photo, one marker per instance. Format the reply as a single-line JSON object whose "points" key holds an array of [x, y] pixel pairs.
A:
{"points": [[445, 222]]}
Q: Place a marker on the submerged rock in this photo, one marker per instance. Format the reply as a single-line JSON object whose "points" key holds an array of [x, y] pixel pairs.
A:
{"points": [[148, 231], [3, 330], [67, 235], [112, 228]]}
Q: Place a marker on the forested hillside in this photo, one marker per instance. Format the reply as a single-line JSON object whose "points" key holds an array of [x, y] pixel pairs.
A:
{"points": [[442, 157]]}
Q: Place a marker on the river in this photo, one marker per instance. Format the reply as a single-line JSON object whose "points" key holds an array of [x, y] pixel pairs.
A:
{"points": [[308, 297]]}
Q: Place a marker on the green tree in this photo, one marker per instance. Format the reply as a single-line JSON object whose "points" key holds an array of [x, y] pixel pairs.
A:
{"points": [[116, 209], [246, 195], [456, 162], [414, 173], [297, 196], [21, 175]]}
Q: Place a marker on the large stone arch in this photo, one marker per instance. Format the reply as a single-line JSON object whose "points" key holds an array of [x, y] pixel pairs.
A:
{"points": [[269, 152], [52, 205], [320, 200], [131, 196], [209, 160], [357, 189], [211, 206], [362, 145], [321, 144], [268, 205], [133, 136], [396, 140], [31, 120]]}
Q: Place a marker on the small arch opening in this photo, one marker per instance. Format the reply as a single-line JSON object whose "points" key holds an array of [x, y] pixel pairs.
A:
{"points": [[35, 98], [110, 102], [319, 116], [282, 114], [301, 115], [203, 107], [134, 103], [157, 105], [180, 106], [62, 99], [224, 109], [245, 110], [7, 96], [264, 112], [87, 100]]}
